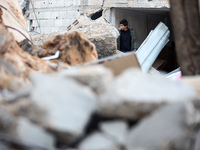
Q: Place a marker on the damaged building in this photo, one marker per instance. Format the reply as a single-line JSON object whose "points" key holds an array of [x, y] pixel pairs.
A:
{"points": [[143, 16]]}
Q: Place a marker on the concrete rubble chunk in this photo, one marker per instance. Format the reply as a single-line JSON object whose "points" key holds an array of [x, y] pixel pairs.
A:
{"points": [[98, 141], [197, 142], [101, 33], [33, 134], [165, 129], [117, 130], [137, 94], [7, 122], [96, 77], [74, 48], [64, 104]]}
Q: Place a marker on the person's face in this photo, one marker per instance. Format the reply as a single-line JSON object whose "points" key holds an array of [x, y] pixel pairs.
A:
{"points": [[122, 27]]}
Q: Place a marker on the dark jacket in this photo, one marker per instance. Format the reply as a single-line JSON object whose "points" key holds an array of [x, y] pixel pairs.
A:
{"points": [[125, 40], [133, 40]]}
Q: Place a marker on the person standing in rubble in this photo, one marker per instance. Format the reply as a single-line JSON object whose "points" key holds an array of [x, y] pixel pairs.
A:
{"points": [[125, 43]]}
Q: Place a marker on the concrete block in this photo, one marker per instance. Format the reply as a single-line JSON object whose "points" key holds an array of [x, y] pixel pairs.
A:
{"points": [[52, 3], [58, 22], [43, 23], [47, 14], [66, 22], [63, 28], [44, 4], [51, 23], [60, 3], [54, 14], [76, 2], [95, 2], [73, 14], [68, 3], [62, 14]]}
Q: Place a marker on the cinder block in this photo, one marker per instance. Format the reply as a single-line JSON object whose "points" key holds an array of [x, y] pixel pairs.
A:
{"points": [[67, 22], [44, 4], [52, 3], [47, 14], [73, 14], [95, 2], [76, 2], [51, 23], [54, 14], [60, 3], [40, 15], [62, 14], [43, 23], [68, 3], [58, 22]]}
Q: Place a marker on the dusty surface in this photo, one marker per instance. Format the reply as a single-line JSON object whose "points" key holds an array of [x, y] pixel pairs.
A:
{"points": [[74, 48], [16, 64]]}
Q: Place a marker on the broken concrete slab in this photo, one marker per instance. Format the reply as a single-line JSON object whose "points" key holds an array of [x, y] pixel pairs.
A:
{"points": [[32, 134], [98, 141], [166, 128], [117, 130], [100, 32], [59, 103], [74, 48], [137, 94], [96, 77]]}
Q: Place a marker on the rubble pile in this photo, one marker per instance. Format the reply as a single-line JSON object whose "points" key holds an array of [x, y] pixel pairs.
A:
{"points": [[89, 106], [99, 32], [74, 48], [67, 110]]}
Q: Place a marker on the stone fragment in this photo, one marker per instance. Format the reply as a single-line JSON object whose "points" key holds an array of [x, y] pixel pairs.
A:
{"points": [[74, 48], [98, 141], [62, 106], [101, 33], [133, 95], [165, 129], [117, 130], [96, 77], [7, 122], [32, 134], [197, 142]]}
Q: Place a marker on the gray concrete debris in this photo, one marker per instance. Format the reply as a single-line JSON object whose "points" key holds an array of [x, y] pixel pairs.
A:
{"points": [[98, 141], [96, 77], [66, 105], [165, 129], [197, 142], [7, 122], [136, 94], [33, 134], [117, 130], [101, 33]]}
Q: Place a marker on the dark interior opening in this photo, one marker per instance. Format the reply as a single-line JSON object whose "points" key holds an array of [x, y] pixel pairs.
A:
{"points": [[141, 22], [96, 15]]}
